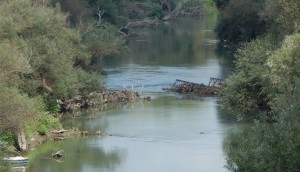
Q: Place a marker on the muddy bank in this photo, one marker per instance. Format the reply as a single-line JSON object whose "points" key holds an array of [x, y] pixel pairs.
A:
{"points": [[95, 101]]}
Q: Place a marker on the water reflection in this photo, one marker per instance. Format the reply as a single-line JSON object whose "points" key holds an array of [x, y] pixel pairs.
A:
{"points": [[184, 42], [81, 154]]}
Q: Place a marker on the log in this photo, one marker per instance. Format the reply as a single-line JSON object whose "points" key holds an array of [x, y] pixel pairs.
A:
{"points": [[59, 131], [57, 155]]}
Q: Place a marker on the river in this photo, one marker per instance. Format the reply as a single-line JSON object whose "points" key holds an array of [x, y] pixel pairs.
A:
{"points": [[170, 133]]}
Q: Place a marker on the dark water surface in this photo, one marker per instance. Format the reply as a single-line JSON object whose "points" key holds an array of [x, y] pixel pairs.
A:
{"points": [[170, 133]]}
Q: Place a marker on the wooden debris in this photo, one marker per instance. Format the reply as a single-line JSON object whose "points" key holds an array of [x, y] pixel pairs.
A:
{"points": [[98, 133], [57, 155], [186, 87], [58, 131]]}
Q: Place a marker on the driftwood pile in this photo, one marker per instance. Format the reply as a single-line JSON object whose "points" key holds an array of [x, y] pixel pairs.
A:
{"points": [[186, 87], [98, 98]]}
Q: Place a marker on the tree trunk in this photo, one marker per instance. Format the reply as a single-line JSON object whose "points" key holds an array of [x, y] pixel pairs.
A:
{"points": [[22, 140]]}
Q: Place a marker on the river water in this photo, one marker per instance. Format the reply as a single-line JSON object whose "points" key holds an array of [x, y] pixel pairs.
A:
{"points": [[170, 133]]}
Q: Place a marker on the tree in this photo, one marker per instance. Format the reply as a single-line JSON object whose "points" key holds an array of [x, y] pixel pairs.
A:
{"points": [[249, 91], [266, 147], [239, 20], [49, 46], [285, 65]]}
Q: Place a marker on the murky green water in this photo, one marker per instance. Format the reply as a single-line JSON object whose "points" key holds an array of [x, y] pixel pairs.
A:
{"points": [[170, 133]]}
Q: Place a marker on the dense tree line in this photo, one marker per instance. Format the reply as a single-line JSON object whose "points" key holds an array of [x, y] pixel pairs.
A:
{"points": [[265, 83], [241, 21], [121, 12]]}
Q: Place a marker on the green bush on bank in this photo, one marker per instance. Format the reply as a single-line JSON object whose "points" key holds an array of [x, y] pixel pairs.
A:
{"points": [[265, 86], [266, 147], [47, 122], [249, 91], [7, 138], [50, 104]]}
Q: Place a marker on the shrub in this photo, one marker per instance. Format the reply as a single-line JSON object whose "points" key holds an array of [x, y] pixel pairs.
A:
{"points": [[7, 138], [266, 147], [250, 89], [47, 122], [50, 104]]}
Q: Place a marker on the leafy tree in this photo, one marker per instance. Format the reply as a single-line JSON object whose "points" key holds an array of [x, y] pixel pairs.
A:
{"points": [[274, 67], [49, 46], [250, 89], [266, 147], [16, 110], [285, 66], [239, 20], [289, 15], [110, 43]]}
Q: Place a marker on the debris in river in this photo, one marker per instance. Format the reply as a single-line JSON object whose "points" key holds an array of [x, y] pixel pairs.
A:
{"points": [[212, 89], [57, 155]]}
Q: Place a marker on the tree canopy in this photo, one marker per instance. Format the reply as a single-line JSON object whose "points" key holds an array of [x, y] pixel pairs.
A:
{"points": [[43, 59], [265, 87]]}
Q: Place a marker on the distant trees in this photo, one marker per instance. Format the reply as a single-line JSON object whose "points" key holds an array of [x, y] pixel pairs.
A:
{"points": [[239, 20], [120, 12], [245, 20]]}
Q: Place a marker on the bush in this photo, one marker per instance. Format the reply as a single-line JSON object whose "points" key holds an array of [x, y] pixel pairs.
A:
{"points": [[266, 147], [239, 20], [47, 122], [250, 89], [7, 138], [51, 105], [103, 41]]}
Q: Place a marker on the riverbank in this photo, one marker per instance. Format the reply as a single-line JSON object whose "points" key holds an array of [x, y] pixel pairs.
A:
{"points": [[97, 100]]}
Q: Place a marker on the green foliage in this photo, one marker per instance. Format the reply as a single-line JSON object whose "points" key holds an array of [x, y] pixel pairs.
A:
{"points": [[155, 11], [209, 4], [47, 122], [266, 147], [110, 41], [267, 74], [51, 104], [285, 66], [78, 10], [7, 137], [89, 81], [289, 15], [239, 20], [45, 51], [244, 20], [249, 90], [16, 109]]}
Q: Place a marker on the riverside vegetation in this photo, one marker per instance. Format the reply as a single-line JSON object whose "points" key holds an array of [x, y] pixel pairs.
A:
{"points": [[48, 55], [265, 83]]}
